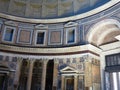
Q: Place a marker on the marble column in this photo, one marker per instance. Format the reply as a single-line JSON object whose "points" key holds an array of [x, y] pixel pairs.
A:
{"points": [[63, 83], [30, 74], [44, 67], [55, 74], [75, 82], [17, 73]]}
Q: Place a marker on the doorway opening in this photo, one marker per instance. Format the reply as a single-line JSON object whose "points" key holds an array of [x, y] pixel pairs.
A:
{"points": [[69, 83], [36, 76], [4, 77], [49, 75]]}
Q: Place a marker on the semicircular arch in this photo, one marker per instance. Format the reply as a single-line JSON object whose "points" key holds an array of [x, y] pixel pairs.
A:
{"points": [[105, 28]]}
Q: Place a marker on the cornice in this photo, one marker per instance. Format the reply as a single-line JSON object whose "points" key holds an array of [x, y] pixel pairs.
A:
{"points": [[51, 51], [110, 48]]}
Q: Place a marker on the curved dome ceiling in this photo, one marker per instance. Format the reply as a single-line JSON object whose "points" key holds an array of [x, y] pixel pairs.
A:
{"points": [[47, 9]]}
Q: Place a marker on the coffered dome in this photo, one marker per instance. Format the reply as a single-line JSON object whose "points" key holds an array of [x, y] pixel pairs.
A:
{"points": [[47, 9]]}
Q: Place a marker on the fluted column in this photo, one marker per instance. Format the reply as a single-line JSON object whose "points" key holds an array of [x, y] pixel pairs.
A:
{"points": [[17, 73], [63, 83], [75, 82], [30, 74], [44, 67], [55, 74]]}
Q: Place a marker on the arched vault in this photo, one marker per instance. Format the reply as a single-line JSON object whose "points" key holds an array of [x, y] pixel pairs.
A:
{"points": [[104, 32]]}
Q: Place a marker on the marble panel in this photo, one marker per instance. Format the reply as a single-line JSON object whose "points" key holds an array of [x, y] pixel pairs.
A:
{"points": [[24, 36], [55, 37]]}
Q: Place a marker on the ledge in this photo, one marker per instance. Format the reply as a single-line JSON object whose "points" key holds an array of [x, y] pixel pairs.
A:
{"points": [[51, 51]]}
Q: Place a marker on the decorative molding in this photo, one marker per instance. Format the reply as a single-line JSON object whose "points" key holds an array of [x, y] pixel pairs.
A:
{"points": [[68, 70], [50, 53], [55, 26], [50, 50], [26, 25], [19, 60], [41, 26], [11, 23], [71, 24]]}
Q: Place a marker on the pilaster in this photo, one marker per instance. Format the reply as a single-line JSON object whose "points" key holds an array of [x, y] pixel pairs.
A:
{"points": [[102, 70], [63, 83], [75, 82]]}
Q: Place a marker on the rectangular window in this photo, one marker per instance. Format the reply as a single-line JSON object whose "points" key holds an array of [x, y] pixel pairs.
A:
{"points": [[8, 34], [40, 38], [112, 60], [71, 36]]}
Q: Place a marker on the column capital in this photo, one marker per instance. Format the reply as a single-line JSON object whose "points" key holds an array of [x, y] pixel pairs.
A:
{"points": [[63, 76], [56, 61], [19, 59], [45, 61], [76, 75], [32, 60]]}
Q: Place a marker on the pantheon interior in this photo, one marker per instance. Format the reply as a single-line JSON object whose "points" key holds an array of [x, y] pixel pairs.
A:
{"points": [[59, 44]]}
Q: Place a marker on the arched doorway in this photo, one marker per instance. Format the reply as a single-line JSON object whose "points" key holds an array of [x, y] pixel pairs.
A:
{"points": [[49, 75]]}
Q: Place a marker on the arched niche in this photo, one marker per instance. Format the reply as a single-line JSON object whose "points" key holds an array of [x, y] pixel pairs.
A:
{"points": [[104, 32]]}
